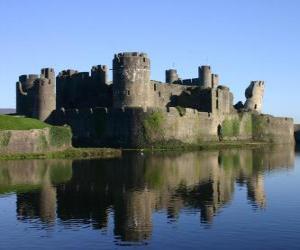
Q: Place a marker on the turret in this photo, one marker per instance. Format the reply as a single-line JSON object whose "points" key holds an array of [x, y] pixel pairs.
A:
{"points": [[171, 76], [48, 73], [44, 92], [131, 80], [204, 73], [100, 72], [215, 80]]}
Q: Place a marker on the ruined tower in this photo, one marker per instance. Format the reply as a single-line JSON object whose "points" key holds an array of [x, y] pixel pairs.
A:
{"points": [[36, 95], [131, 80], [24, 96], [254, 94], [171, 76]]}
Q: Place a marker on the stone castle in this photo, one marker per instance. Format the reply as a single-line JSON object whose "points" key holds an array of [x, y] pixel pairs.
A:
{"points": [[117, 113]]}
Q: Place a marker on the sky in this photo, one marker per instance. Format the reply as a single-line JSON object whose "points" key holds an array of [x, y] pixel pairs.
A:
{"points": [[242, 40]]}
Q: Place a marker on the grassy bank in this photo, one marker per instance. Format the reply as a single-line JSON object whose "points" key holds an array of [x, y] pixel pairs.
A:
{"points": [[72, 153], [178, 146], [8, 122]]}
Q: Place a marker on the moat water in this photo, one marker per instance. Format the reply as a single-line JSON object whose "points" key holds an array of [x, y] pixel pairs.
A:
{"points": [[228, 199]]}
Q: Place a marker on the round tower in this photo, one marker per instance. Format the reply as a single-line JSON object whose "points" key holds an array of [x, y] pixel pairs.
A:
{"points": [[171, 76], [131, 80], [44, 92], [205, 76]]}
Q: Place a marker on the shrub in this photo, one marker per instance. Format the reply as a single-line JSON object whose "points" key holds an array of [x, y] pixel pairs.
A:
{"points": [[153, 126], [60, 136]]}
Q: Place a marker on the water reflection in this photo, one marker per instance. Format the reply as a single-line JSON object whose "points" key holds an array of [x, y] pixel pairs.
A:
{"points": [[78, 193]]}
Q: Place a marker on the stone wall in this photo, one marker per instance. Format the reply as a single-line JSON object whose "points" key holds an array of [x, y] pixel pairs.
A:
{"points": [[272, 129], [138, 127], [35, 140]]}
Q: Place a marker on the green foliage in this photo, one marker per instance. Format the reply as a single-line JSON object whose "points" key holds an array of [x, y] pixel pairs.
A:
{"points": [[181, 110], [248, 125], [42, 142], [71, 153], [20, 123], [231, 127], [4, 138], [153, 126], [60, 136]]}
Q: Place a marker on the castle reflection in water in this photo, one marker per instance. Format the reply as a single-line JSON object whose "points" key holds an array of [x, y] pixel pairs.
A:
{"points": [[82, 192]]}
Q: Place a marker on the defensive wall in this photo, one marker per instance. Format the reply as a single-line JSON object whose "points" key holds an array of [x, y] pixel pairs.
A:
{"points": [[138, 127], [35, 140]]}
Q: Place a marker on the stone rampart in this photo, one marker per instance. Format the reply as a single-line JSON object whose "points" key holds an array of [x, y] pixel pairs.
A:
{"points": [[138, 127], [35, 140]]}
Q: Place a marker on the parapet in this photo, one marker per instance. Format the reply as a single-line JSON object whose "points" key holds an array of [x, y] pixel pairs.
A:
{"points": [[99, 68], [67, 73], [130, 54], [24, 78], [47, 73]]}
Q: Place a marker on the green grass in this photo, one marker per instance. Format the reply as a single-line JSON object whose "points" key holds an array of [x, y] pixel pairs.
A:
{"points": [[72, 153], [231, 127], [20, 123]]}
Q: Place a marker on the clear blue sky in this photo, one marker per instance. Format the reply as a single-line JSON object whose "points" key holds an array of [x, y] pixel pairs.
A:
{"points": [[242, 40]]}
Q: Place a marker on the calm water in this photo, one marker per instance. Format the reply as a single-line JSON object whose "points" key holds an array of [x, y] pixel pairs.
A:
{"points": [[229, 199]]}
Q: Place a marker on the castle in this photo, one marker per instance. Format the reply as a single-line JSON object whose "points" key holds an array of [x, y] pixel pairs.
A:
{"points": [[185, 110]]}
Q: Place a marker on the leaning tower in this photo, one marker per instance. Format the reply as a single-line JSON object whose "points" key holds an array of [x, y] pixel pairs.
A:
{"points": [[131, 80]]}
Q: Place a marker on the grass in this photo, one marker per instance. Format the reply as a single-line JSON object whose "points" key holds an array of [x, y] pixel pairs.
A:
{"points": [[72, 153], [8, 122], [177, 145]]}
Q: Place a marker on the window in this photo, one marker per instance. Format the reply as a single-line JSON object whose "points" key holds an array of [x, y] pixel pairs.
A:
{"points": [[159, 94], [217, 93], [255, 106], [217, 104], [128, 92], [154, 87]]}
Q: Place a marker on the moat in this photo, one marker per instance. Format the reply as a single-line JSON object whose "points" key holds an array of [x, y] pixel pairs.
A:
{"points": [[217, 199]]}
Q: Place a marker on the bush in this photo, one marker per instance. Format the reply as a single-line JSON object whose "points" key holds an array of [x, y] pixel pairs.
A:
{"points": [[60, 136], [153, 129]]}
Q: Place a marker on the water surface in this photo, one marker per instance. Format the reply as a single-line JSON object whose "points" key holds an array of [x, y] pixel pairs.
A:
{"points": [[228, 199]]}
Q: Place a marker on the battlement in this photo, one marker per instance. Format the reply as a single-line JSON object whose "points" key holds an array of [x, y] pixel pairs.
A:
{"points": [[258, 82], [47, 73], [24, 78], [131, 54], [99, 68], [67, 73]]}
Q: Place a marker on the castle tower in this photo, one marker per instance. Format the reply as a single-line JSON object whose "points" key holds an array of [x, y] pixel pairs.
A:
{"points": [[100, 72], [254, 94], [171, 76], [24, 98], [43, 95], [131, 80], [204, 73]]}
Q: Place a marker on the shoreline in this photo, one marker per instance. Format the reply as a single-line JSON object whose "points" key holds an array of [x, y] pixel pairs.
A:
{"points": [[71, 153], [105, 153]]}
